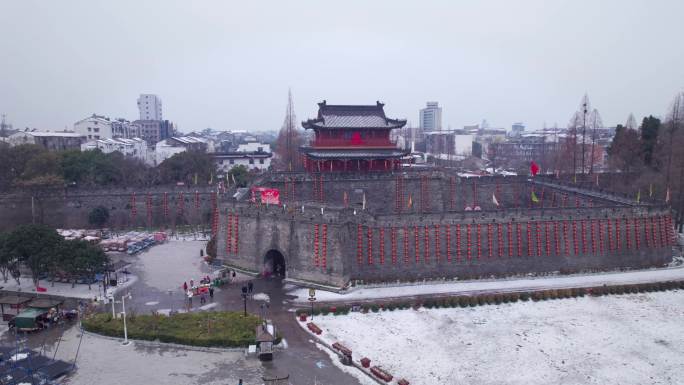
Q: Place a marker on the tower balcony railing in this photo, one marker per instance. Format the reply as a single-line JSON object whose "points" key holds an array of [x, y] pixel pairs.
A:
{"points": [[362, 142]]}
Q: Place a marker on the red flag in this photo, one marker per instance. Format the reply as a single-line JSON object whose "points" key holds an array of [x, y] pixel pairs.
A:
{"points": [[534, 168]]}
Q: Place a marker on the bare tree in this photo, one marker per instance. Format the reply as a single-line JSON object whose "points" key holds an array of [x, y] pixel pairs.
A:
{"points": [[289, 140], [596, 123], [674, 120]]}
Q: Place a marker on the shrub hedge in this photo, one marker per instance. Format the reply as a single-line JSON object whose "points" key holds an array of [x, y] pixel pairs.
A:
{"points": [[210, 329]]}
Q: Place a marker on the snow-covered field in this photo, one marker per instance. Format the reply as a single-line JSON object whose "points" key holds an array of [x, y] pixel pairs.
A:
{"points": [[495, 285], [626, 339]]}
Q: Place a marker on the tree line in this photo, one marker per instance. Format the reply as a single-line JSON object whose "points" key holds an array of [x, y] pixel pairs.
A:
{"points": [[31, 166], [45, 253]]}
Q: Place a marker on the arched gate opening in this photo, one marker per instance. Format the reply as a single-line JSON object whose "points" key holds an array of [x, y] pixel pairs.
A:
{"points": [[274, 264]]}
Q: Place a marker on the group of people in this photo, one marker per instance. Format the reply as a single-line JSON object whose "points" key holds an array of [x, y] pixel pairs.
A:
{"points": [[202, 290]]}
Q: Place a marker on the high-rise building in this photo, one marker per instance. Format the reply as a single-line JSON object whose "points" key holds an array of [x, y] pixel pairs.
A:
{"points": [[150, 107], [431, 117]]}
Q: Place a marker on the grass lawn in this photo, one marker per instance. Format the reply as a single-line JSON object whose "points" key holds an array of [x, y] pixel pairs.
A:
{"points": [[219, 329]]}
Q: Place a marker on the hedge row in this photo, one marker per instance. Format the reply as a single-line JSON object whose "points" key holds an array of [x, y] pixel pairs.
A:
{"points": [[499, 298], [208, 329]]}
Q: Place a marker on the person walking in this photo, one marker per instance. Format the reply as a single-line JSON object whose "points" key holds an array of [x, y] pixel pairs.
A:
{"points": [[203, 299], [185, 286], [190, 298], [250, 287], [211, 293]]}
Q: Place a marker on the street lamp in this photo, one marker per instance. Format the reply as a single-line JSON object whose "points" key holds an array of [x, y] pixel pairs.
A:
{"points": [[244, 298], [123, 305]]}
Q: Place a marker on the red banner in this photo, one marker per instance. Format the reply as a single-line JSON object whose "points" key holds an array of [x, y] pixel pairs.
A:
{"points": [[269, 196]]}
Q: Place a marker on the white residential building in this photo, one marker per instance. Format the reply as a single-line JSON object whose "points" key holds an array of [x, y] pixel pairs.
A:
{"points": [[165, 149], [253, 155], [150, 107], [122, 128], [94, 127], [134, 147], [431, 117], [254, 147]]}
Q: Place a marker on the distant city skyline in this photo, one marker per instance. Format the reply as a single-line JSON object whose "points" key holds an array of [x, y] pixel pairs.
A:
{"points": [[228, 65]]}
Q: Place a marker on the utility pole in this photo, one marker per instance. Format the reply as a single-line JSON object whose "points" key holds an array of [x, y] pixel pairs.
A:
{"points": [[584, 129]]}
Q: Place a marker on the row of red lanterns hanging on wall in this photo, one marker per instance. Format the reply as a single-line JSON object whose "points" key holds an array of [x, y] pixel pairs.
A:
{"points": [[656, 231]]}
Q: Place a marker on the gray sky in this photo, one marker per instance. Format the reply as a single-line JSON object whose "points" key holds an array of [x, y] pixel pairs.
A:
{"points": [[228, 64]]}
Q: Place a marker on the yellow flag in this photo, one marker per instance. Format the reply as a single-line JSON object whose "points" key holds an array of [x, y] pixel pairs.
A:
{"points": [[410, 201], [534, 198], [195, 178]]}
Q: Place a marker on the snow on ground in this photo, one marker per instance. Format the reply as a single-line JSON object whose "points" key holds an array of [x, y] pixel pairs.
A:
{"points": [[364, 380], [454, 287], [261, 297], [626, 339], [168, 265]]}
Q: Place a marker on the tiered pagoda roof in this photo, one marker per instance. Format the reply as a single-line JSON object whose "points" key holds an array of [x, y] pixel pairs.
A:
{"points": [[351, 117]]}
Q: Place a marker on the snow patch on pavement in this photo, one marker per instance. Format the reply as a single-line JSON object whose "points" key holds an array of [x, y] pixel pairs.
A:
{"points": [[261, 297]]}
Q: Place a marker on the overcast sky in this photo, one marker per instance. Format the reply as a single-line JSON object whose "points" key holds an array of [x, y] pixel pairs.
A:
{"points": [[228, 64]]}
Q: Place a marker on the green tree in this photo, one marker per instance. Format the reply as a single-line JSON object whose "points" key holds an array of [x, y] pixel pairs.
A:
{"points": [[8, 262], [33, 246], [98, 216], [184, 166], [624, 150], [649, 138], [240, 174]]}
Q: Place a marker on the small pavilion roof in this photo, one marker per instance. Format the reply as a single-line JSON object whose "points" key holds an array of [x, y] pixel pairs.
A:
{"points": [[352, 116]]}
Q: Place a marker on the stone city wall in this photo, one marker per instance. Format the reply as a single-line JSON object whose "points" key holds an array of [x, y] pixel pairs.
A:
{"points": [[69, 208]]}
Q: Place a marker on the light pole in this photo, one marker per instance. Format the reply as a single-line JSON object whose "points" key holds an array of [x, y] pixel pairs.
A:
{"points": [[123, 305], [244, 298]]}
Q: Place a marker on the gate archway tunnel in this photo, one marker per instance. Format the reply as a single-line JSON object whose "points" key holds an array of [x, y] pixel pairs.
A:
{"points": [[274, 264]]}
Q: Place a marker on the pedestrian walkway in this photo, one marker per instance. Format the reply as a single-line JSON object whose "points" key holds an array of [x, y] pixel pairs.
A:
{"points": [[496, 285]]}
